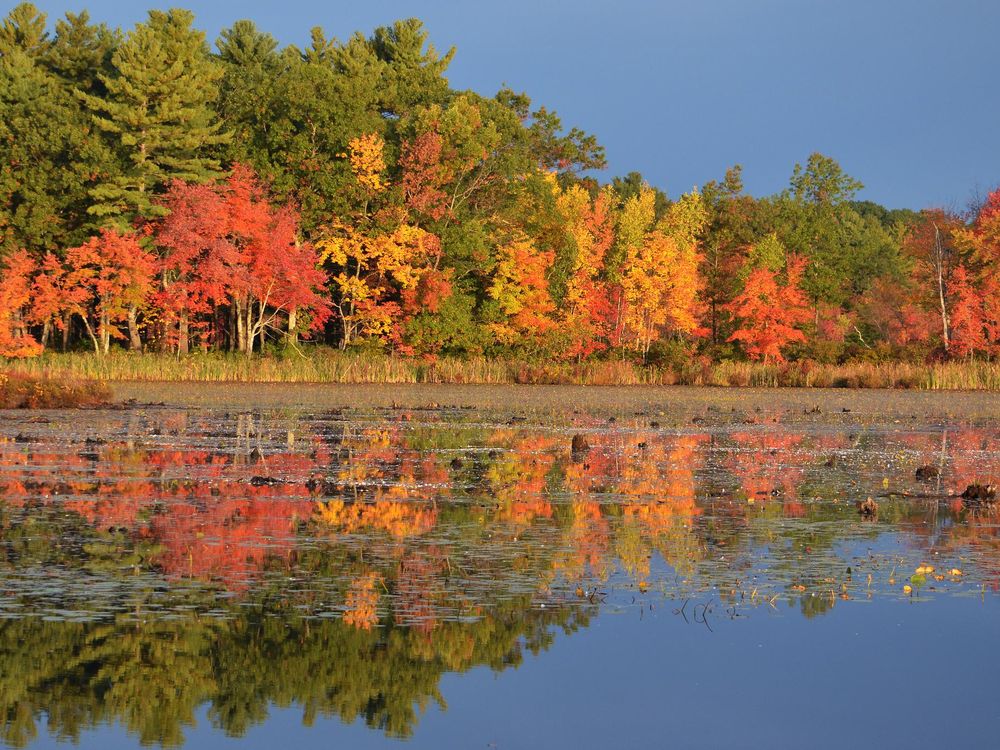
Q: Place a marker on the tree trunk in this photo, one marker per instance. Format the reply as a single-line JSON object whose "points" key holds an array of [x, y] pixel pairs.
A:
{"points": [[261, 327], [17, 324], [90, 333], [134, 342], [241, 325], [249, 330], [183, 339], [293, 334], [234, 316], [939, 264], [104, 331]]}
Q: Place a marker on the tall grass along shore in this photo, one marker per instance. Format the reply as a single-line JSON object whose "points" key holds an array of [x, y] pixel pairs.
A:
{"points": [[323, 365]]}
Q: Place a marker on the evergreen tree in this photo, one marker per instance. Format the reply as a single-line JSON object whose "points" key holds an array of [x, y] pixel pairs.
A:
{"points": [[158, 112], [49, 153], [24, 29]]}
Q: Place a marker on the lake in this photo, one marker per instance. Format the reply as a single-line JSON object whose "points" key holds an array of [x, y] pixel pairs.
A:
{"points": [[500, 568]]}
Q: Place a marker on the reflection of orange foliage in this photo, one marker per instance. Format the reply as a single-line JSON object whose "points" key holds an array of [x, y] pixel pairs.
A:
{"points": [[975, 458], [399, 519], [362, 602], [225, 538], [660, 485], [523, 512], [766, 462], [518, 479], [793, 509], [661, 469], [659, 518], [632, 496], [588, 540], [420, 477]]}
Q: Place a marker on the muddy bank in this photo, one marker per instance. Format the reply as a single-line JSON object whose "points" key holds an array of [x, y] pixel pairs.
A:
{"points": [[812, 404]]}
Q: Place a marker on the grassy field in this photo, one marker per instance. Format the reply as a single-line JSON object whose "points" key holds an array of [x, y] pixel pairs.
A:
{"points": [[332, 366]]}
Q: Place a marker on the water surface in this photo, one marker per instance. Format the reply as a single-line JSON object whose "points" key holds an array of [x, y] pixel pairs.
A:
{"points": [[451, 577]]}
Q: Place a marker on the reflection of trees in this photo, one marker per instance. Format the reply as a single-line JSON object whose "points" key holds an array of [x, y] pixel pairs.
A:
{"points": [[153, 676], [412, 549]]}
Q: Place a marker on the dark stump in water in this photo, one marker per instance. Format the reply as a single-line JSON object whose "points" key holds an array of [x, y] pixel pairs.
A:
{"points": [[927, 473], [868, 509], [979, 495]]}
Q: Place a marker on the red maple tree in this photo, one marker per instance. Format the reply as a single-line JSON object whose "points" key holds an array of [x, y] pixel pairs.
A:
{"points": [[768, 312]]}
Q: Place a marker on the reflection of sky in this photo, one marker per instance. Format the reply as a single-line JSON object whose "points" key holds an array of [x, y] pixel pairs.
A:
{"points": [[883, 675]]}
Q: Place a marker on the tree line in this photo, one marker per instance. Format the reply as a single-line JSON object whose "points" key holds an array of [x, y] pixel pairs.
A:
{"points": [[160, 194]]}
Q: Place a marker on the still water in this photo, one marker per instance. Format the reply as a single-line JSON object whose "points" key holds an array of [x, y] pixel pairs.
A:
{"points": [[453, 578]]}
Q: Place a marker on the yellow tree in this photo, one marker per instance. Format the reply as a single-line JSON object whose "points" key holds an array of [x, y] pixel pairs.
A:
{"points": [[684, 223], [366, 154], [372, 264], [371, 269], [521, 288], [587, 307], [660, 279]]}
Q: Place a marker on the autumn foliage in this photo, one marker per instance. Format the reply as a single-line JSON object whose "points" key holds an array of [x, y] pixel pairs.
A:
{"points": [[769, 312], [344, 194]]}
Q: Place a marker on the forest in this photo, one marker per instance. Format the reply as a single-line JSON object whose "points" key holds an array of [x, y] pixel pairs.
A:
{"points": [[160, 194]]}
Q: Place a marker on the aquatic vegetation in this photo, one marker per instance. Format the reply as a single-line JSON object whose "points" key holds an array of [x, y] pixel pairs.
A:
{"points": [[371, 552], [19, 391]]}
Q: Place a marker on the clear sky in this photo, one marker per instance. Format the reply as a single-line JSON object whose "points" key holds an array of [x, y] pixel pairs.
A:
{"points": [[898, 91]]}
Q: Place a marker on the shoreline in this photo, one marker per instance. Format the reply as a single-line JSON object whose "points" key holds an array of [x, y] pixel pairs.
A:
{"points": [[327, 366], [674, 403]]}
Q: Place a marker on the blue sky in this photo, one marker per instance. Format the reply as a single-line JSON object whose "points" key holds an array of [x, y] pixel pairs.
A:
{"points": [[900, 92]]}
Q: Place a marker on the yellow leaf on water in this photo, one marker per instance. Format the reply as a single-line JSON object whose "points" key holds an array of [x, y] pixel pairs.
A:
{"points": [[907, 589], [955, 572]]}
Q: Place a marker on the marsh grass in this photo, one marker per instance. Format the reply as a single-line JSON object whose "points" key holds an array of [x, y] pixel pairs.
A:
{"points": [[20, 391], [939, 376], [323, 365]]}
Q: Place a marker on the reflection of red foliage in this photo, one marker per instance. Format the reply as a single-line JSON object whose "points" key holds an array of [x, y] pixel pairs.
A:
{"points": [[227, 539], [199, 511], [766, 462], [793, 509], [418, 580]]}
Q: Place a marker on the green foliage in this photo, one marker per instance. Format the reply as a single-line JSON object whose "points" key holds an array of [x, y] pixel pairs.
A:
{"points": [[157, 113], [822, 181], [453, 329]]}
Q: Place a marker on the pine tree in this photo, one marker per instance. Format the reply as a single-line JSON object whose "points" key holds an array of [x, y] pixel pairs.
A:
{"points": [[157, 110], [24, 29], [49, 155]]}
